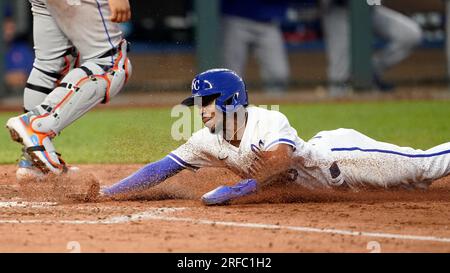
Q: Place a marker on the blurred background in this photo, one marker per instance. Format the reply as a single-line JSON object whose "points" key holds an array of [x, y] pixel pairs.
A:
{"points": [[327, 48]]}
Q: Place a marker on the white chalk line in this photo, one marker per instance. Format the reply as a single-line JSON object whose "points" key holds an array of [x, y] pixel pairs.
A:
{"points": [[306, 229], [159, 214], [121, 219], [23, 204]]}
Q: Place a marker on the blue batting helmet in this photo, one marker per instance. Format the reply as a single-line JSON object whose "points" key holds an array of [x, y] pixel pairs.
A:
{"points": [[224, 85]]}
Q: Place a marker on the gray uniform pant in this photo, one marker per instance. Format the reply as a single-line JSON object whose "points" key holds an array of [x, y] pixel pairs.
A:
{"points": [[58, 27], [240, 36], [401, 32]]}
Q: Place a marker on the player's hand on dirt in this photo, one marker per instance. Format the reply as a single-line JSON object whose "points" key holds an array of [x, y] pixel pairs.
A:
{"points": [[270, 163], [257, 164], [120, 11]]}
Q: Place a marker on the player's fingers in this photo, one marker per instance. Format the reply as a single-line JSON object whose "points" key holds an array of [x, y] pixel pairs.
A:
{"points": [[124, 15], [127, 12], [256, 167], [258, 164], [253, 169], [120, 17], [113, 16], [258, 154], [252, 172]]}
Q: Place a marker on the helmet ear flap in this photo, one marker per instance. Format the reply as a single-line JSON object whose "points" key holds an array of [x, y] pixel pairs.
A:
{"points": [[235, 98], [232, 100], [229, 101]]}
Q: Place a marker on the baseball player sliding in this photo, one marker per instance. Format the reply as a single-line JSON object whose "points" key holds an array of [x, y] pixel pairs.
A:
{"points": [[260, 146], [59, 90]]}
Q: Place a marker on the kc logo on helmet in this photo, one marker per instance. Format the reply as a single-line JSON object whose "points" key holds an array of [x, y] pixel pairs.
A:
{"points": [[200, 84], [195, 85]]}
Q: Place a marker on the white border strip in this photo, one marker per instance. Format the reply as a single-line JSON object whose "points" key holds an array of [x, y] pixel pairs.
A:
{"points": [[158, 214]]}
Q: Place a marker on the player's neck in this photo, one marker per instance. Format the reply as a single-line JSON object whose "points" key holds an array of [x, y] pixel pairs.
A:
{"points": [[234, 134]]}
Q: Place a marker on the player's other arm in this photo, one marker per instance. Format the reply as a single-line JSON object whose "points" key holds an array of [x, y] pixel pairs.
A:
{"points": [[148, 176], [269, 164], [154, 173], [120, 11]]}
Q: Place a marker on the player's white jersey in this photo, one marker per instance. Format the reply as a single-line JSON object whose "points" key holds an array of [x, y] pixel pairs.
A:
{"points": [[264, 129], [342, 157]]}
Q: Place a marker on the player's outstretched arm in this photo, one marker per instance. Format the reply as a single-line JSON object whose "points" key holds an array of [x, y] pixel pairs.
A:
{"points": [[120, 11], [269, 164], [146, 177]]}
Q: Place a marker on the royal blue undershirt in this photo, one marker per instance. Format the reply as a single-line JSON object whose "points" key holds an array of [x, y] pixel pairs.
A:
{"points": [[148, 176]]}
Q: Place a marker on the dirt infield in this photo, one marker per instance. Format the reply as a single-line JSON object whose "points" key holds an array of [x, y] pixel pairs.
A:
{"points": [[170, 218]]}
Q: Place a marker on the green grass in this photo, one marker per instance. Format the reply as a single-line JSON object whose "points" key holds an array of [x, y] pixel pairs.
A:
{"points": [[415, 124], [143, 135]]}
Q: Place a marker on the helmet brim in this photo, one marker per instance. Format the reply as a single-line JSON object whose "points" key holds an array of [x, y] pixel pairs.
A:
{"points": [[190, 101]]}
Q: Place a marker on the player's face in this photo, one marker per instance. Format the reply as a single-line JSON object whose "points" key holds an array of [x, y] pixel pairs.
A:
{"points": [[208, 113]]}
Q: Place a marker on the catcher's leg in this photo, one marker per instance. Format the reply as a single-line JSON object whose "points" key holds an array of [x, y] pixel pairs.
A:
{"points": [[43, 79], [55, 56], [46, 75], [79, 91]]}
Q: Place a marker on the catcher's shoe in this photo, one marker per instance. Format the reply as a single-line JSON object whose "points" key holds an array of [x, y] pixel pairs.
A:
{"points": [[224, 194], [38, 146], [27, 172]]}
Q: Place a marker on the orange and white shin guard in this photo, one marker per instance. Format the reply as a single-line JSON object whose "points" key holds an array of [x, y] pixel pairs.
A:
{"points": [[79, 91]]}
